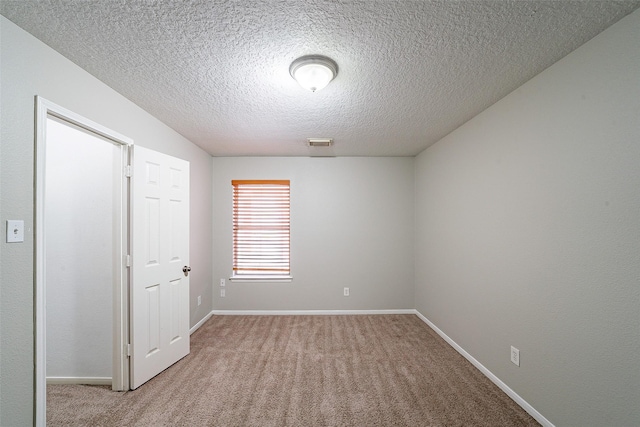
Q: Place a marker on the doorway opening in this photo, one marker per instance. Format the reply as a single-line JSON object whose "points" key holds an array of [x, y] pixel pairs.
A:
{"points": [[82, 242]]}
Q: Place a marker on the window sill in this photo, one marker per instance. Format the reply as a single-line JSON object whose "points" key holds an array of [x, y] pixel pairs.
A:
{"points": [[268, 279]]}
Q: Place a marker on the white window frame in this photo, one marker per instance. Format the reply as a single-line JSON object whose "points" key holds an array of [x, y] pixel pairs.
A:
{"points": [[265, 213]]}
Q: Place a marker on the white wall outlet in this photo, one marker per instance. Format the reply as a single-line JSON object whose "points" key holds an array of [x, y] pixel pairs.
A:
{"points": [[515, 356], [346, 292], [199, 299], [222, 293], [15, 231], [222, 283]]}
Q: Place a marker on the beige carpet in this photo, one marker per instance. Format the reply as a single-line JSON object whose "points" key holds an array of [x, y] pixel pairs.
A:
{"points": [[390, 370]]}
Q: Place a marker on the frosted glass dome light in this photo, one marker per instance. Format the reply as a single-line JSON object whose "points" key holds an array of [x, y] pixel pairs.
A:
{"points": [[313, 72]]}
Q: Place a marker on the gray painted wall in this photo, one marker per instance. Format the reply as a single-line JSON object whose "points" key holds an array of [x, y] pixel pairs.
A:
{"points": [[351, 226], [528, 234], [30, 68]]}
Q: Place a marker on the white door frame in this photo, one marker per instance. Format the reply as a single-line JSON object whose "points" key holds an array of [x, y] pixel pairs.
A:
{"points": [[45, 108]]}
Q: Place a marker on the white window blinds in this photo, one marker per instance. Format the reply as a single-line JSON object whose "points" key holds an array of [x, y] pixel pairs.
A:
{"points": [[261, 228]]}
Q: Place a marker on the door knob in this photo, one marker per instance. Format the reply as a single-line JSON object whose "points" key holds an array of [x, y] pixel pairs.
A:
{"points": [[186, 270]]}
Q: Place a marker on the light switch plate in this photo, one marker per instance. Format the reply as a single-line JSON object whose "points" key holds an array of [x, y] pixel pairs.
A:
{"points": [[15, 231]]}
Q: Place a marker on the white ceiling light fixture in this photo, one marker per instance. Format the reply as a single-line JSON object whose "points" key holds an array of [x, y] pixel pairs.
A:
{"points": [[313, 72]]}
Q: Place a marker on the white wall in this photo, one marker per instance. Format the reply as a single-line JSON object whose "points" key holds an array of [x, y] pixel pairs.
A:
{"points": [[83, 190], [30, 68], [351, 226], [528, 234]]}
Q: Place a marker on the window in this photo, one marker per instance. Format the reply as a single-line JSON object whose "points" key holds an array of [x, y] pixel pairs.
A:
{"points": [[261, 229]]}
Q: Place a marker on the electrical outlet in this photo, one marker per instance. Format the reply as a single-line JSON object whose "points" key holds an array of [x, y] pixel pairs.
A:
{"points": [[222, 293], [199, 299], [222, 283], [515, 356], [346, 292]]}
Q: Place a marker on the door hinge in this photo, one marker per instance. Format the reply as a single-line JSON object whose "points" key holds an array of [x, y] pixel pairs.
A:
{"points": [[127, 171], [127, 261], [128, 350]]}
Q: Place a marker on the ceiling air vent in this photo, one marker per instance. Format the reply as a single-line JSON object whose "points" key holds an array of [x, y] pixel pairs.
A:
{"points": [[320, 142]]}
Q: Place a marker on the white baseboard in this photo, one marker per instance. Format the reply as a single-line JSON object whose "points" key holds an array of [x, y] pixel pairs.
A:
{"points": [[80, 380], [512, 394], [307, 312], [200, 323]]}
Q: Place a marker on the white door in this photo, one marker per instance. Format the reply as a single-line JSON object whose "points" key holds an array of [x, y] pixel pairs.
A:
{"points": [[160, 251]]}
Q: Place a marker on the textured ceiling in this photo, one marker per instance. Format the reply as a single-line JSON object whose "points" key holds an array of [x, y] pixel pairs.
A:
{"points": [[410, 71]]}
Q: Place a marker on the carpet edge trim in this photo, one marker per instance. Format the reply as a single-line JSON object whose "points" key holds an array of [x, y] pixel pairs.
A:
{"points": [[487, 373], [79, 380]]}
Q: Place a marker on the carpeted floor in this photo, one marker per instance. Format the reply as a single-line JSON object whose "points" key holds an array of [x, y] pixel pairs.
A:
{"points": [[383, 370]]}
